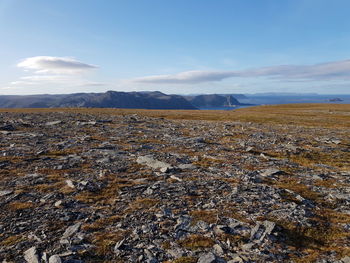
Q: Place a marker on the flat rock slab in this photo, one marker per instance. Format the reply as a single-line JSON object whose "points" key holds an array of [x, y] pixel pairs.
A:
{"points": [[70, 231], [207, 258], [153, 163], [5, 192], [31, 255], [55, 259], [50, 123]]}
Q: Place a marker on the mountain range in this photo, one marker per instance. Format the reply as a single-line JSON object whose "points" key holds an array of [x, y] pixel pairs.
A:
{"points": [[114, 99]]}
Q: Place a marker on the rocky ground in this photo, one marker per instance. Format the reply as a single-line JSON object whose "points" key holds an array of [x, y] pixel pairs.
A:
{"points": [[94, 187]]}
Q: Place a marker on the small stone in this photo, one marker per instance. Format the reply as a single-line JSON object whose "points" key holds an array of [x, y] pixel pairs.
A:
{"points": [[45, 257], [71, 230], [118, 245], [70, 184], [207, 258], [164, 169], [50, 123], [31, 255], [55, 259], [176, 178], [187, 166], [270, 172], [218, 249], [237, 259], [260, 231], [58, 203], [151, 162], [249, 149], [5, 192], [175, 252], [247, 246]]}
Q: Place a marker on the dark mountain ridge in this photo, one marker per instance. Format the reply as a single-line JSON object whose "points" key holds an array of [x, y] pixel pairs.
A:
{"points": [[109, 99], [115, 99]]}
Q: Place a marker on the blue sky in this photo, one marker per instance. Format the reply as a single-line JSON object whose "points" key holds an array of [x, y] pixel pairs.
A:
{"points": [[182, 46]]}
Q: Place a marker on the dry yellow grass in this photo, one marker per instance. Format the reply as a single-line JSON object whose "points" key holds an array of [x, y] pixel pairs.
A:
{"points": [[101, 223], [194, 242], [20, 205], [143, 203], [298, 187], [12, 240], [104, 241], [208, 216]]}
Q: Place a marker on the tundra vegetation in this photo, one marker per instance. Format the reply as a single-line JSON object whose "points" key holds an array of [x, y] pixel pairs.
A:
{"points": [[260, 184]]}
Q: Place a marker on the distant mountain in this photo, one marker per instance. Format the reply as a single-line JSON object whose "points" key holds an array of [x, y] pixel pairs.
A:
{"points": [[287, 98], [281, 94], [212, 100], [109, 99]]}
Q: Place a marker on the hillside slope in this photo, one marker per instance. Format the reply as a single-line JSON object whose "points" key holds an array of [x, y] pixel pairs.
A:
{"points": [[109, 99]]}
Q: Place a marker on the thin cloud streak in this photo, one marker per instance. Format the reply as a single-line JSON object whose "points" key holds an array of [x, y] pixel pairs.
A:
{"points": [[54, 71], [56, 80], [54, 65], [337, 70]]}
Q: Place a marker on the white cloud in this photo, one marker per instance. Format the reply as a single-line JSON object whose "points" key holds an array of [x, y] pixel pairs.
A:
{"points": [[187, 77], [61, 80], [54, 65], [53, 72], [337, 70]]}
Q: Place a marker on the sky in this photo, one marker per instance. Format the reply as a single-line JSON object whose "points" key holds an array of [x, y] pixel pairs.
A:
{"points": [[174, 46]]}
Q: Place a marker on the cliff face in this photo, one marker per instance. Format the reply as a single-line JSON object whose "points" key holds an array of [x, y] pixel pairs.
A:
{"points": [[109, 99]]}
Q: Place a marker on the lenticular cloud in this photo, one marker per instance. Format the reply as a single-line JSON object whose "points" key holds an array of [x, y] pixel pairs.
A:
{"points": [[54, 65], [336, 70]]}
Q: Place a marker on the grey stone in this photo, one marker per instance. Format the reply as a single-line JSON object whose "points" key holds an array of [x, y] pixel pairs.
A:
{"points": [[247, 246], [51, 123], [260, 231], [5, 192], [31, 255], [187, 166], [153, 163], [176, 178], [207, 258], [118, 245], [70, 184], [45, 257], [71, 230], [55, 259], [164, 169], [236, 259], [175, 252], [58, 203], [218, 249], [249, 149], [270, 172]]}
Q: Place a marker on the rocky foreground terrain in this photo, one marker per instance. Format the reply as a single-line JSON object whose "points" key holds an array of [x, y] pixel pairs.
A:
{"points": [[119, 186]]}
